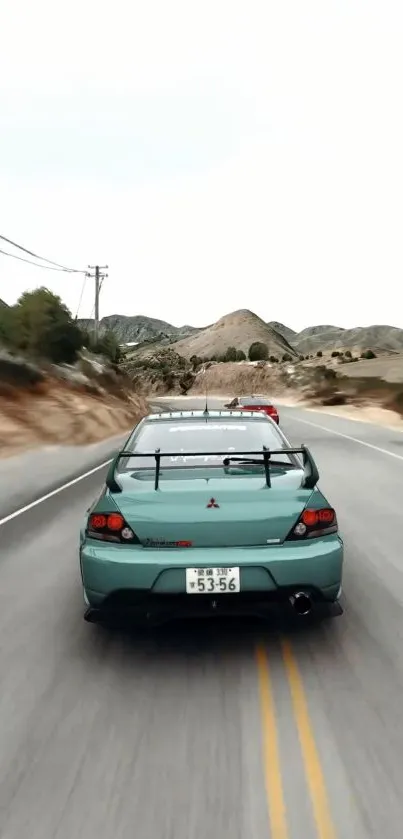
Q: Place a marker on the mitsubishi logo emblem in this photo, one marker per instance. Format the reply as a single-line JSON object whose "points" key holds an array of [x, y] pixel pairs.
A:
{"points": [[212, 503]]}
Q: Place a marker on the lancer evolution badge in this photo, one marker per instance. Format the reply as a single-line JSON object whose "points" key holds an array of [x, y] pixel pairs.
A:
{"points": [[212, 503]]}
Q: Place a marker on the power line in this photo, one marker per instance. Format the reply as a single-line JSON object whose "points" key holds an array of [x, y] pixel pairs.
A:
{"points": [[42, 258], [81, 295], [21, 258]]}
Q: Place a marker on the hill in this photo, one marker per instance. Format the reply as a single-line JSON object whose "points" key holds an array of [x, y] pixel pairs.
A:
{"points": [[285, 331], [378, 338], [239, 329], [139, 328]]}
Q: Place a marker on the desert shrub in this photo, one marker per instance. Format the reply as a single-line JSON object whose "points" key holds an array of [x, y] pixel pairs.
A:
{"points": [[186, 382], [396, 403], [334, 399], [240, 355], [335, 354], [108, 345], [319, 354], [348, 354], [16, 372], [195, 361], [286, 357], [168, 378], [273, 359], [230, 354], [258, 351], [368, 354]]}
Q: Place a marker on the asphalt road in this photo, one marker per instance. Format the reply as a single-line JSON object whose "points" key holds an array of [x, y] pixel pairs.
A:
{"points": [[212, 730]]}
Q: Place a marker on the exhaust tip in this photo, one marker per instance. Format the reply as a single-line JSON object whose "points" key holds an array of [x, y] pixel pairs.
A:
{"points": [[92, 615], [301, 603]]}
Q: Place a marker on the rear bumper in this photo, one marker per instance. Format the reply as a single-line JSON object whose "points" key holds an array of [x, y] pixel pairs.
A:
{"points": [[146, 579]]}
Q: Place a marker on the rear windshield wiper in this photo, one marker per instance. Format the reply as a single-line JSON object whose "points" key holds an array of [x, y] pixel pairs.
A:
{"points": [[265, 461], [255, 462]]}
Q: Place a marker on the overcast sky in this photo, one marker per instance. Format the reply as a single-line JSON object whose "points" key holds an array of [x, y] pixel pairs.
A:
{"points": [[217, 155]]}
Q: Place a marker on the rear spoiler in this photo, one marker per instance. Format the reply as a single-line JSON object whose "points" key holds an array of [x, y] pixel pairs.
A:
{"points": [[309, 480]]}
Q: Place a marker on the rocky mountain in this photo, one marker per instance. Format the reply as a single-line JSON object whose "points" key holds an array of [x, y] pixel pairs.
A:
{"points": [[238, 329], [328, 338], [242, 328], [139, 328], [285, 331]]}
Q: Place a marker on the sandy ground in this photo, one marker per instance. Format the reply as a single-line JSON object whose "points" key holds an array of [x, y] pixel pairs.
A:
{"points": [[375, 415], [63, 416], [237, 379]]}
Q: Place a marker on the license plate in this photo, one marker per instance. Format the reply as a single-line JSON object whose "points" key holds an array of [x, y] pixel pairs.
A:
{"points": [[212, 581]]}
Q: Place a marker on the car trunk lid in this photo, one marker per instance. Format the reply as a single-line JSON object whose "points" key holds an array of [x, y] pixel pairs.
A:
{"points": [[210, 511]]}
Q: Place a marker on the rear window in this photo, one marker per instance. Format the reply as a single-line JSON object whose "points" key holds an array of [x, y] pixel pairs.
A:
{"points": [[181, 437], [255, 400]]}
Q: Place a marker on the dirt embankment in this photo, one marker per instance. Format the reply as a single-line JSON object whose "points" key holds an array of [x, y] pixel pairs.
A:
{"points": [[39, 409], [319, 387], [239, 378]]}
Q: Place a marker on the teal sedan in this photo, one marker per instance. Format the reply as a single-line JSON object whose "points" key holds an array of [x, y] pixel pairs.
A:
{"points": [[206, 513]]}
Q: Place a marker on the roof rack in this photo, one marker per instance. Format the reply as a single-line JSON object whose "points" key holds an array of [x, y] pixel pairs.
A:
{"points": [[309, 480]]}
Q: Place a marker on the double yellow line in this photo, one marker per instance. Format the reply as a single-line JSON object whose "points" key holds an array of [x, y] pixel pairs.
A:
{"points": [[314, 775]]}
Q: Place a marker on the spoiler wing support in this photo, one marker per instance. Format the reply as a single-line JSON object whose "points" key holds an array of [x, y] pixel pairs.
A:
{"points": [[309, 480]]}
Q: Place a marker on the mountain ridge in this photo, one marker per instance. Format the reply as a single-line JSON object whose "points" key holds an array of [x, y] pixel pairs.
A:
{"points": [[312, 339]]}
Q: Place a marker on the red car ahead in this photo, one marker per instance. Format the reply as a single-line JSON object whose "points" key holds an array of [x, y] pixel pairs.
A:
{"points": [[255, 403]]}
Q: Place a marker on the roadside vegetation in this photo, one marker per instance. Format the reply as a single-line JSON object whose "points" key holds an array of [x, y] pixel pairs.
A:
{"points": [[39, 326], [57, 383]]}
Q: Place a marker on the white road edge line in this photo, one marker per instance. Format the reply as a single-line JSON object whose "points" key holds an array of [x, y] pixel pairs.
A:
{"points": [[347, 437], [54, 492]]}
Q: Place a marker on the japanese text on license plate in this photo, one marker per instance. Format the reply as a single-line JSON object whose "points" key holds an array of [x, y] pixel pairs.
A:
{"points": [[212, 580]]}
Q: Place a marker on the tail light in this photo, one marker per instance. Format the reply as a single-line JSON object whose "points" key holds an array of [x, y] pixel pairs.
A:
{"points": [[314, 523], [110, 527]]}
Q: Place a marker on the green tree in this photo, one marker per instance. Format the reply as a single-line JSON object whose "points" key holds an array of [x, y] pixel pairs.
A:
{"points": [[7, 326], [258, 351], [44, 327], [240, 355]]}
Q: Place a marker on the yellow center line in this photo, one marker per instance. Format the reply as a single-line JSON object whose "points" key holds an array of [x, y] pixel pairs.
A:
{"points": [[313, 770], [271, 755]]}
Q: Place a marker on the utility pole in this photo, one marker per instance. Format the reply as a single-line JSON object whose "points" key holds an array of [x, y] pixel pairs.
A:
{"points": [[99, 277]]}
